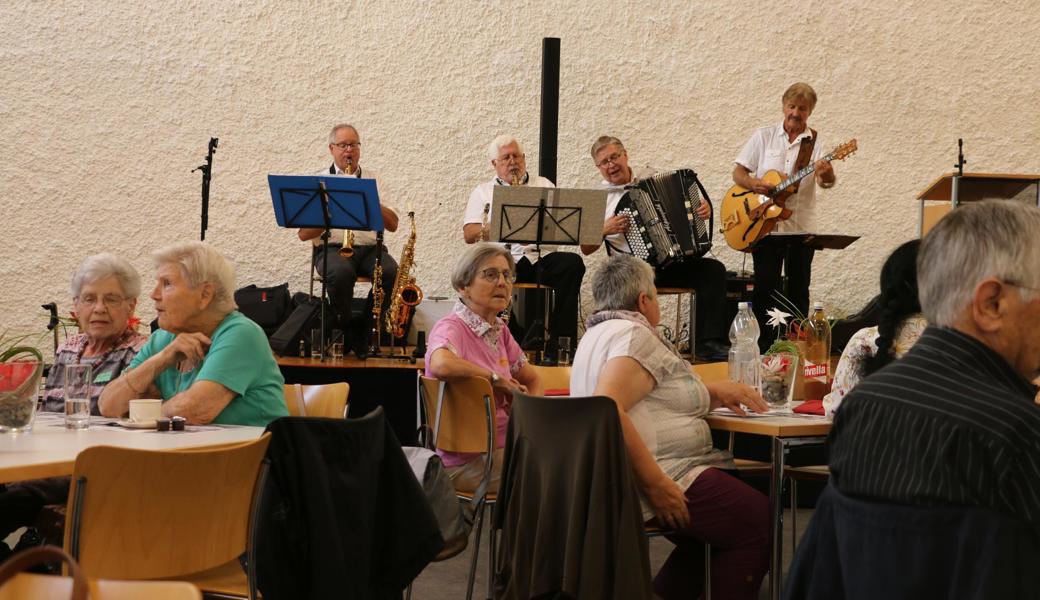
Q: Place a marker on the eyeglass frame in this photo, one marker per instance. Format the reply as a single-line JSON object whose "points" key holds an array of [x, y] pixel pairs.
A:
{"points": [[1014, 283], [109, 300], [346, 146], [508, 274], [612, 159]]}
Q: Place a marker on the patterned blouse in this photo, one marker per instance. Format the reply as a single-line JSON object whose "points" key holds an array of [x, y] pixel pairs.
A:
{"points": [[489, 345], [107, 367], [861, 347]]}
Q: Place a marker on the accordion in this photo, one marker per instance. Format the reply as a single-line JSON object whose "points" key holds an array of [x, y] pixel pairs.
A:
{"points": [[663, 224]]}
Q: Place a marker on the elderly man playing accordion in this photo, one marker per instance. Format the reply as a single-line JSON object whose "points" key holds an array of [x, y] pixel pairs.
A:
{"points": [[706, 276]]}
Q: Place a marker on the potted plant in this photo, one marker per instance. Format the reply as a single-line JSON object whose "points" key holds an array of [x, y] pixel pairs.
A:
{"points": [[21, 366]]}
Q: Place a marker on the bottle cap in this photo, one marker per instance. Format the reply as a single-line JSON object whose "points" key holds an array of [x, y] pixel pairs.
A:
{"points": [[742, 305], [817, 305]]}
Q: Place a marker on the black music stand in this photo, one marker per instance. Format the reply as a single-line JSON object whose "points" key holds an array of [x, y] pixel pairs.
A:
{"points": [[327, 201], [557, 216], [816, 241]]}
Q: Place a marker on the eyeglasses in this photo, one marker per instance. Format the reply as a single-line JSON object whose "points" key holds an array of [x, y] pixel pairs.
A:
{"points": [[612, 159], [492, 275], [109, 300], [1014, 283], [345, 146], [508, 157]]}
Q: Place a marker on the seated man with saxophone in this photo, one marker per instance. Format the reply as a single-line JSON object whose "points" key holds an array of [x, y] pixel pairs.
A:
{"points": [[562, 271], [352, 253], [705, 275]]}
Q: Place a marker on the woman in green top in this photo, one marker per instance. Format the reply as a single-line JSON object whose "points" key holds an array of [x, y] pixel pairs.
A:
{"points": [[208, 362]]}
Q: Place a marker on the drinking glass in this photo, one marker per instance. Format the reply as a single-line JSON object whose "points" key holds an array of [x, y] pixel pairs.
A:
{"points": [[316, 343], [563, 351], [77, 395], [336, 344], [777, 373]]}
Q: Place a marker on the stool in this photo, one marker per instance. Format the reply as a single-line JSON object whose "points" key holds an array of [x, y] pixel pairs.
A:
{"points": [[691, 318], [523, 306]]}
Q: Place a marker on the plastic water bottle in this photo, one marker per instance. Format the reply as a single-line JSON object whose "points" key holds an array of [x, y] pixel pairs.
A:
{"points": [[816, 367], [743, 349]]}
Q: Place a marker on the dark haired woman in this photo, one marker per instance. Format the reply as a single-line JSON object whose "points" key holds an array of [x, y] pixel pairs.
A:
{"points": [[899, 325]]}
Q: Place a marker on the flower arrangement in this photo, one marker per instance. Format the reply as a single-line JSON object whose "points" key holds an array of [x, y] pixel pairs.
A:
{"points": [[21, 365], [791, 327]]}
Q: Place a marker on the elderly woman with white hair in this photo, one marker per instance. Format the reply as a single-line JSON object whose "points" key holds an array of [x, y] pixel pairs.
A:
{"points": [[208, 362], [474, 342], [104, 292], [681, 479]]}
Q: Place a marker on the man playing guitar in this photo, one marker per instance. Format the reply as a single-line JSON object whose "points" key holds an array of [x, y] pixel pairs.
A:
{"points": [[777, 147]]}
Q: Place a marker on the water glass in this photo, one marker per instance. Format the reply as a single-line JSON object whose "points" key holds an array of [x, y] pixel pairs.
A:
{"points": [[78, 379], [316, 343], [777, 375], [336, 344], [563, 351]]}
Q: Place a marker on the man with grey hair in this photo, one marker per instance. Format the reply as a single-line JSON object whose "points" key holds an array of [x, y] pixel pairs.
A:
{"points": [[954, 421], [562, 271], [705, 275], [345, 267]]}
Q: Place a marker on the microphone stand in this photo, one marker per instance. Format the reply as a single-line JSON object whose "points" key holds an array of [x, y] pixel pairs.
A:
{"points": [[207, 170]]}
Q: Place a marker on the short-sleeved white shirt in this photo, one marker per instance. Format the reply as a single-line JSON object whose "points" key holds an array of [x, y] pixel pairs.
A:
{"points": [[483, 195], [769, 150], [361, 238]]}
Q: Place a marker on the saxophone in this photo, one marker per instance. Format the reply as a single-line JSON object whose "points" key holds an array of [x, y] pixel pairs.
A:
{"points": [[347, 249], [406, 295], [484, 223]]}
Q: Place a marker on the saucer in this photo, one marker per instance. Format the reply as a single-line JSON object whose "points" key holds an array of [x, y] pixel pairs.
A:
{"points": [[136, 424]]}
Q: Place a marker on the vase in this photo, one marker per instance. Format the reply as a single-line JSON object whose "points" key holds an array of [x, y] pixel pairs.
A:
{"points": [[19, 386]]}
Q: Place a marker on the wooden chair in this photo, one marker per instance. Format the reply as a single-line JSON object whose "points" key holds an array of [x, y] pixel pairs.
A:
{"points": [[328, 400], [460, 417], [32, 585], [186, 515], [554, 378]]}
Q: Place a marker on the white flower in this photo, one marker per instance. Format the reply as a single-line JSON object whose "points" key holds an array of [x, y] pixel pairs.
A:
{"points": [[777, 317]]}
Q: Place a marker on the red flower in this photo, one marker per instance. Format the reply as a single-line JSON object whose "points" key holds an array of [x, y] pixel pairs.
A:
{"points": [[133, 322]]}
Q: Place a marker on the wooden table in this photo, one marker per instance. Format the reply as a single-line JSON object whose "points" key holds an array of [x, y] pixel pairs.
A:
{"points": [[791, 437], [50, 450]]}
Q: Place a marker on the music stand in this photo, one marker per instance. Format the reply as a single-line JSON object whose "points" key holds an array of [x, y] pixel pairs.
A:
{"points": [[537, 215], [327, 201], [816, 241]]}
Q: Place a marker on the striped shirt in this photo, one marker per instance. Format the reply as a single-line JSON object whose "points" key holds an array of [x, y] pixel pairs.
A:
{"points": [[106, 367], [951, 423]]}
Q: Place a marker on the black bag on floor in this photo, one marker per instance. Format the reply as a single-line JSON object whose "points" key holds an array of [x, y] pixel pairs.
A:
{"points": [[269, 307], [306, 316]]}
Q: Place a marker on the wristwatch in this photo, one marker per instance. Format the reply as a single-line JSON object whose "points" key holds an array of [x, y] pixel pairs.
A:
{"points": [[494, 378]]}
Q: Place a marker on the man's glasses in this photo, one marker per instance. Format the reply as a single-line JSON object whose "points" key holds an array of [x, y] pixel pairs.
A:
{"points": [[492, 275], [612, 159], [1014, 283], [347, 145], [509, 157], [109, 300]]}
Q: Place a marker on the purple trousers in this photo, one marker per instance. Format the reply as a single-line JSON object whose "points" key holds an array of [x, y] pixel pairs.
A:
{"points": [[734, 518]]}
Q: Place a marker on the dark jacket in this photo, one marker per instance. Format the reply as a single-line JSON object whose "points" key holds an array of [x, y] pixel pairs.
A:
{"points": [[857, 549], [567, 506], [342, 515]]}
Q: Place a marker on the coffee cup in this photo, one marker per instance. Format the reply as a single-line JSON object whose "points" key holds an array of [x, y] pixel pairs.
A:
{"points": [[142, 411]]}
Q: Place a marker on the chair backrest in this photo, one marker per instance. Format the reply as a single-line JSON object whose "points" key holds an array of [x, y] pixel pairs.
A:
{"points": [[327, 400], [465, 420], [567, 478], [554, 378], [143, 514], [32, 585]]}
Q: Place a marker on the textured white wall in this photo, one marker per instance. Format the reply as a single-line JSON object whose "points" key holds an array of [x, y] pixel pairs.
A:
{"points": [[105, 107]]}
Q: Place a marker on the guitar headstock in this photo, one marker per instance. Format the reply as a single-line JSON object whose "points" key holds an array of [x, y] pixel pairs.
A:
{"points": [[845, 149]]}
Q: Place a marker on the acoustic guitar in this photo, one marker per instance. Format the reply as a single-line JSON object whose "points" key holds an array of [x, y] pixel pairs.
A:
{"points": [[748, 217]]}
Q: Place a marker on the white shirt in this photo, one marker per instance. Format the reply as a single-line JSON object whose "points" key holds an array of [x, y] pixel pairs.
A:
{"points": [[483, 195], [670, 419], [361, 238], [769, 150]]}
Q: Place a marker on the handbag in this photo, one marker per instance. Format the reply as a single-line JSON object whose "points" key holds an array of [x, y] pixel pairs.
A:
{"points": [[34, 556], [269, 307]]}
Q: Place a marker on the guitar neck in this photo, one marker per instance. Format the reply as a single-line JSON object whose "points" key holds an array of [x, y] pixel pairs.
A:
{"points": [[801, 174]]}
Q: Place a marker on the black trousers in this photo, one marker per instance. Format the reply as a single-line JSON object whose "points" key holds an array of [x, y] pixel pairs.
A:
{"points": [[563, 272], [340, 280], [707, 277], [796, 263]]}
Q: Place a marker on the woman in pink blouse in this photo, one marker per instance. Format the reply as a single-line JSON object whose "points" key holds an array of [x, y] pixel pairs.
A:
{"points": [[474, 341]]}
